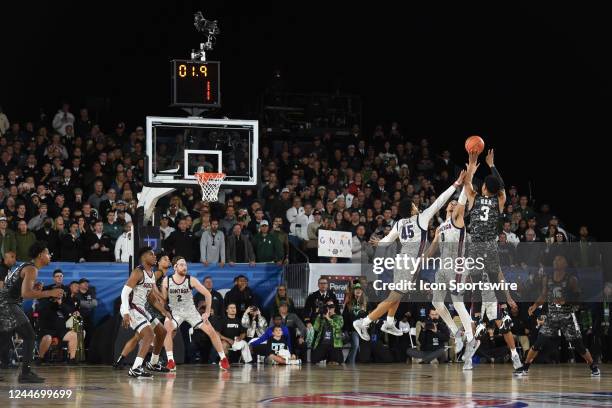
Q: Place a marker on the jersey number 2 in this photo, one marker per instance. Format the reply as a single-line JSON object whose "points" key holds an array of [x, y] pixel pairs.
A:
{"points": [[407, 231], [485, 213], [179, 298]]}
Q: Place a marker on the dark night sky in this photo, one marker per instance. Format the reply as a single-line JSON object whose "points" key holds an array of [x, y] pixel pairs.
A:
{"points": [[526, 77]]}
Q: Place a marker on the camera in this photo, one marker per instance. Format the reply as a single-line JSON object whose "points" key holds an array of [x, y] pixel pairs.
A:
{"points": [[322, 307]]}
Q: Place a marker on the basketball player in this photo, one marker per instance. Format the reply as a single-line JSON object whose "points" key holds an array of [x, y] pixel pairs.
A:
{"points": [[450, 238], [557, 290], [163, 264], [134, 297], [177, 289], [411, 231], [19, 285], [485, 211]]}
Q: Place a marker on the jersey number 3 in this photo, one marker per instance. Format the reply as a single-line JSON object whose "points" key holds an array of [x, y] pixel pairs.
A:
{"points": [[408, 231], [485, 213]]}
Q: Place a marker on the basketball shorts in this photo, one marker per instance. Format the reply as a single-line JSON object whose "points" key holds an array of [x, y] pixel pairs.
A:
{"points": [[190, 316], [564, 321], [140, 318]]}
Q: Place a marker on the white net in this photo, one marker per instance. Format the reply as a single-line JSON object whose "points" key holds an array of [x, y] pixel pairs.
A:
{"points": [[210, 183]]}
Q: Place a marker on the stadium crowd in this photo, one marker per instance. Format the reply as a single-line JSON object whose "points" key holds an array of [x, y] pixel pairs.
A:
{"points": [[70, 183]]}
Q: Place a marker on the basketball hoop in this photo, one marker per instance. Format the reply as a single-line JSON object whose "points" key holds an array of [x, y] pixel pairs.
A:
{"points": [[210, 183]]}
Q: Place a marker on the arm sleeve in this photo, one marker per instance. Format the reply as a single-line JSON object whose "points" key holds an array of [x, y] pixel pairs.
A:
{"points": [[427, 215], [125, 300], [391, 237], [497, 176]]}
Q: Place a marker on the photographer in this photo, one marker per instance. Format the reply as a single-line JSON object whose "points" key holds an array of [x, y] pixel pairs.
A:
{"points": [[431, 340], [327, 344], [254, 323]]}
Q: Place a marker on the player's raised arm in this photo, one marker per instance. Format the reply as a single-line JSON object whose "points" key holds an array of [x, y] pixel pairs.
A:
{"points": [[468, 187], [135, 277], [502, 192], [207, 296], [428, 214], [433, 247]]}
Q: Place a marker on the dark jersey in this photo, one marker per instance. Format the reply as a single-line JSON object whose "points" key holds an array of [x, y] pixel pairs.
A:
{"points": [[558, 292], [484, 219], [13, 283]]}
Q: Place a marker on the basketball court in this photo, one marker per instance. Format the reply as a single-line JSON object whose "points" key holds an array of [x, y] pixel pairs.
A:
{"points": [[362, 385]]}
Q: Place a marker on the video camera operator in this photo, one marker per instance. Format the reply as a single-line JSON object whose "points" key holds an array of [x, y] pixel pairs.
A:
{"points": [[431, 339], [327, 343]]}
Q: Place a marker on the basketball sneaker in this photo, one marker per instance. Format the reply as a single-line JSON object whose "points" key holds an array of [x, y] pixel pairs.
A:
{"points": [[224, 364], [30, 377], [595, 371], [171, 366], [480, 330], [361, 329], [391, 329], [157, 368], [140, 373], [521, 371], [516, 362], [507, 322]]}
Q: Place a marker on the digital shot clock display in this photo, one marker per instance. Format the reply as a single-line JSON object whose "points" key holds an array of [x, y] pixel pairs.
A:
{"points": [[196, 84]]}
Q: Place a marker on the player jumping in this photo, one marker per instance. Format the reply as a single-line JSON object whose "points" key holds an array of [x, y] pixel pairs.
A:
{"points": [[411, 231], [485, 211], [177, 289]]}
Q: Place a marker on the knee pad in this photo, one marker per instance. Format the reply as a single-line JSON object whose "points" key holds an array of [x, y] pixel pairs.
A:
{"points": [[579, 346]]}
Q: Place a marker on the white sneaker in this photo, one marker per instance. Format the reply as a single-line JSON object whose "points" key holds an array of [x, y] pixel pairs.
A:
{"points": [[470, 349], [458, 342], [467, 366], [361, 329], [391, 329], [516, 362]]}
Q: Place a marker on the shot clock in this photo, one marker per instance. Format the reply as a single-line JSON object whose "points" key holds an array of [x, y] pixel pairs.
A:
{"points": [[195, 83]]}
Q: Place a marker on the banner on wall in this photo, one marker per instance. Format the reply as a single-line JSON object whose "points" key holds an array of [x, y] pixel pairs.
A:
{"points": [[336, 244], [335, 273]]}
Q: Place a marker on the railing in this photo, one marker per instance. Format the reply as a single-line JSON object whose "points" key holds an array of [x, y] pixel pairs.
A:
{"points": [[295, 277]]}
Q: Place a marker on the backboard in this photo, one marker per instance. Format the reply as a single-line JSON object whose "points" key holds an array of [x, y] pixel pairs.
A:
{"points": [[177, 147]]}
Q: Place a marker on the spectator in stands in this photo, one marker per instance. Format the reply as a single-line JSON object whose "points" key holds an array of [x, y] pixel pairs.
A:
{"points": [[212, 246], [181, 242], [303, 217], [432, 339], [217, 299], [9, 259], [50, 235], [254, 323], [232, 335], [112, 228], [98, 244], [124, 247], [361, 249], [87, 305], [24, 240], [314, 299], [511, 237], [240, 295], [71, 245], [327, 343], [281, 236], [282, 296], [239, 248], [72, 303], [292, 214], [355, 307], [228, 222], [164, 227], [21, 215], [4, 122], [266, 246], [36, 222], [7, 236], [62, 119], [58, 282], [109, 204], [97, 197], [52, 323], [507, 252], [255, 223]]}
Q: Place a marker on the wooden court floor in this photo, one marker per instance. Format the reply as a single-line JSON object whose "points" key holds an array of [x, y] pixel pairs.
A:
{"points": [[361, 385]]}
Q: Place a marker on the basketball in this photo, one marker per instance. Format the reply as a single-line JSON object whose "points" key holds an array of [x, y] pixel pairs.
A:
{"points": [[474, 144]]}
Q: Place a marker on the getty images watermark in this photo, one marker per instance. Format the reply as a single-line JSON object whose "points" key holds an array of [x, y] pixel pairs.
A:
{"points": [[405, 266]]}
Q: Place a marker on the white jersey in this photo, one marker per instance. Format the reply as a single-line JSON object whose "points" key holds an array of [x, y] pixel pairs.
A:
{"points": [[180, 296], [452, 240], [412, 232], [140, 293]]}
